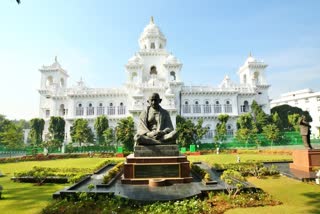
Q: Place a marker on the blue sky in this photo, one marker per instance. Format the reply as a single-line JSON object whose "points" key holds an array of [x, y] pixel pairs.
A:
{"points": [[94, 39]]}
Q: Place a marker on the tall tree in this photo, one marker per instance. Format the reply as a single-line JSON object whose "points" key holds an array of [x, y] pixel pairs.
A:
{"points": [[188, 132], [57, 129], [81, 132], [259, 116], [3, 125], [12, 136], [108, 136], [37, 126], [293, 120], [246, 129], [283, 112], [100, 125], [221, 128], [271, 132], [125, 133], [277, 120]]}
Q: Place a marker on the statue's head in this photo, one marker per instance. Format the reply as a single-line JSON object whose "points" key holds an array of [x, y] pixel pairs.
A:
{"points": [[154, 100]]}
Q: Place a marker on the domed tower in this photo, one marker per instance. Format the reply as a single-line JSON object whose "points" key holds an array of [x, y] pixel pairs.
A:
{"points": [[252, 72], [152, 38]]}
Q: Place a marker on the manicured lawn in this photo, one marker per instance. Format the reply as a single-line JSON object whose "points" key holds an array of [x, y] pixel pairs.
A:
{"points": [[232, 158], [297, 197], [27, 198]]}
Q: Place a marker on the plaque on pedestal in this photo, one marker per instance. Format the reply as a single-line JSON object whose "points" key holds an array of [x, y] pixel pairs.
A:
{"points": [[306, 159]]}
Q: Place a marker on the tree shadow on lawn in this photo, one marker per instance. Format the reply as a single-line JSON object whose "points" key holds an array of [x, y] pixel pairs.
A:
{"points": [[313, 202], [24, 198]]}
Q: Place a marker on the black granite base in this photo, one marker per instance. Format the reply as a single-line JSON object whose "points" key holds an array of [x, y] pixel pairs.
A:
{"points": [[156, 150]]}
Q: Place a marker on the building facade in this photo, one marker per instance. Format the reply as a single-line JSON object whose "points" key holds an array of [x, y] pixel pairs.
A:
{"points": [[307, 100], [153, 69]]}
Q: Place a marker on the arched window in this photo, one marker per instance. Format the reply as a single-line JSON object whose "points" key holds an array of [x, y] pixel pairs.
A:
{"points": [[100, 109], [90, 109], [134, 77], [229, 130], [152, 45], [217, 107], [61, 82], [207, 107], [228, 107], [186, 108], [121, 109], [244, 79], [49, 81], [111, 109], [160, 46], [79, 110], [153, 70], [245, 106], [172, 76], [196, 107], [209, 134], [256, 77], [62, 110]]}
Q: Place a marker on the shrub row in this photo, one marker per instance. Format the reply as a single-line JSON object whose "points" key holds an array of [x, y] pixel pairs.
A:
{"points": [[42, 157], [112, 172], [201, 172], [256, 169]]}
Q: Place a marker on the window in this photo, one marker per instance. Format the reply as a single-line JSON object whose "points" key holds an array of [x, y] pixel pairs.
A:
{"points": [[229, 130], [228, 107], [318, 99], [172, 76], [79, 110], [49, 81], [152, 46], [196, 108], [245, 79], [111, 109], [121, 109], [207, 108], [100, 109], [62, 110], [47, 113], [217, 107], [90, 109], [245, 107], [153, 70], [186, 108], [61, 82], [160, 46]]}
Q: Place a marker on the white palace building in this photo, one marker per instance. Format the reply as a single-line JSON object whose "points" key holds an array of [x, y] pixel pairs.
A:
{"points": [[153, 69]]}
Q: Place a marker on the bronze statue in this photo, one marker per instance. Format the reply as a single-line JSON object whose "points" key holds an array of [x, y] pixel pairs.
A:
{"points": [[305, 132], [155, 126]]}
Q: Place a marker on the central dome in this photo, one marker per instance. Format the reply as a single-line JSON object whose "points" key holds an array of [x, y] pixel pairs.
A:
{"points": [[152, 37]]}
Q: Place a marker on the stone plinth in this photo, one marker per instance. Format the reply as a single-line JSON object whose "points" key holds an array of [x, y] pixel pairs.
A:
{"points": [[305, 159], [140, 170], [156, 150]]}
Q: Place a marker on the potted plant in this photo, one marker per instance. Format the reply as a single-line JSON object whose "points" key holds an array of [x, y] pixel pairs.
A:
{"points": [[318, 177]]}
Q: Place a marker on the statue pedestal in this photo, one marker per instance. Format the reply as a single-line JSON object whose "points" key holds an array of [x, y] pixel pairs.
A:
{"points": [[144, 169], [305, 160]]}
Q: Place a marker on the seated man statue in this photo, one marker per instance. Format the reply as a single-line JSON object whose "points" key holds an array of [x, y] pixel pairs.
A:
{"points": [[155, 126]]}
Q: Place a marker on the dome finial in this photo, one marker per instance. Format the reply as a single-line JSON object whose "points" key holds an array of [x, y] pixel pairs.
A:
{"points": [[250, 55], [56, 59], [151, 20]]}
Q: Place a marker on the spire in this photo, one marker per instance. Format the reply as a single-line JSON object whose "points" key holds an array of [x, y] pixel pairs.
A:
{"points": [[250, 55], [151, 20], [56, 59]]}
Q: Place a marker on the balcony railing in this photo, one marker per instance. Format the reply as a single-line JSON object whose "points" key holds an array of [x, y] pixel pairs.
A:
{"points": [[217, 108], [227, 108], [186, 109], [121, 110], [207, 109], [111, 110], [196, 109], [100, 110], [79, 111], [90, 111]]}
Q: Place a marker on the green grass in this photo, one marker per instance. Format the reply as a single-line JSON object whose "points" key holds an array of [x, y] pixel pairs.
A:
{"points": [[232, 158], [297, 197], [28, 198]]}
